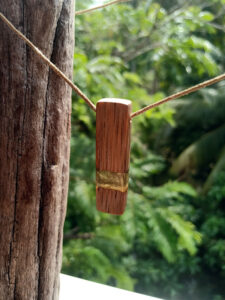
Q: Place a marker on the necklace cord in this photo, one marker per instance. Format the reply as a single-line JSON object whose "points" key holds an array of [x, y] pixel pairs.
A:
{"points": [[83, 96], [80, 12], [180, 94], [48, 62]]}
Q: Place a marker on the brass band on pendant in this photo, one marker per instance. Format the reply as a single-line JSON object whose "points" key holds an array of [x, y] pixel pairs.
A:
{"points": [[112, 180]]}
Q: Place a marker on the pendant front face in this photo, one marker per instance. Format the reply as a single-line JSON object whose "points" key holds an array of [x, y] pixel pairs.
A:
{"points": [[113, 126]]}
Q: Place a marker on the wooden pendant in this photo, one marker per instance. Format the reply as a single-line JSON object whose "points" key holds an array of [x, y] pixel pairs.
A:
{"points": [[113, 126]]}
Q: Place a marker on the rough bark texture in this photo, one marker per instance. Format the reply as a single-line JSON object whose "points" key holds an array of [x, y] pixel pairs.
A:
{"points": [[34, 147]]}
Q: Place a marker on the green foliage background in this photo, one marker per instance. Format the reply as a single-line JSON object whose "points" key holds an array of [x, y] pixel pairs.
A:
{"points": [[170, 242]]}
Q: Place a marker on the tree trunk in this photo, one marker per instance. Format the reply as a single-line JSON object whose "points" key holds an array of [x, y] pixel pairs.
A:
{"points": [[34, 146]]}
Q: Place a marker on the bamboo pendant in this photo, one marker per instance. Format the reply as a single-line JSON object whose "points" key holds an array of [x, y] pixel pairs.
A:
{"points": [[113, 126]]}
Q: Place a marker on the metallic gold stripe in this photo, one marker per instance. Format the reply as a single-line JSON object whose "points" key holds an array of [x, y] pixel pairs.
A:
{"points": [[112, 180]]}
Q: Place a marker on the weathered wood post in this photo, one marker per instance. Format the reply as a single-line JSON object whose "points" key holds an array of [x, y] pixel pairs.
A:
{"points": [[34, 147]]}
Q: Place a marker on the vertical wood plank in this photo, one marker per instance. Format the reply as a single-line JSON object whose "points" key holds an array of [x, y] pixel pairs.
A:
{"points": [[35, 108], [113, 125]]}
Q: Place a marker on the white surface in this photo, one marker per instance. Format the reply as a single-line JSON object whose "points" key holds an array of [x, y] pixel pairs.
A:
{"points": [[115, 100], [72, 288]]}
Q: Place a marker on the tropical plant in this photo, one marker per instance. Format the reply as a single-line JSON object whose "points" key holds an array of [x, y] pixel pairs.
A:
{"points": [[144, 50]]}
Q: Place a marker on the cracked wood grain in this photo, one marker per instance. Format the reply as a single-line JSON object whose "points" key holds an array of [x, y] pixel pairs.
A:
{"points": [[34, 147]]}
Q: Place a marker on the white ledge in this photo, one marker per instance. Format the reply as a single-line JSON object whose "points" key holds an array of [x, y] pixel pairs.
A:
{"points": [[72, 288]]}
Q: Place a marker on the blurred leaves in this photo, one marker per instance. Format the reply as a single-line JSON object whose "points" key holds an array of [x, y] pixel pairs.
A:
{"points": [[170, 241]]}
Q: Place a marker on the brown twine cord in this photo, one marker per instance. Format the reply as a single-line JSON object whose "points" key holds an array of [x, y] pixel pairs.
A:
{"points": [[180, 94], [49, 63], [80, 12], [85, 98]]}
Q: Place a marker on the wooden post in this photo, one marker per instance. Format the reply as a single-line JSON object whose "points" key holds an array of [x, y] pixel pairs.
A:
{"points": [[35, 107], [113, 124]]}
